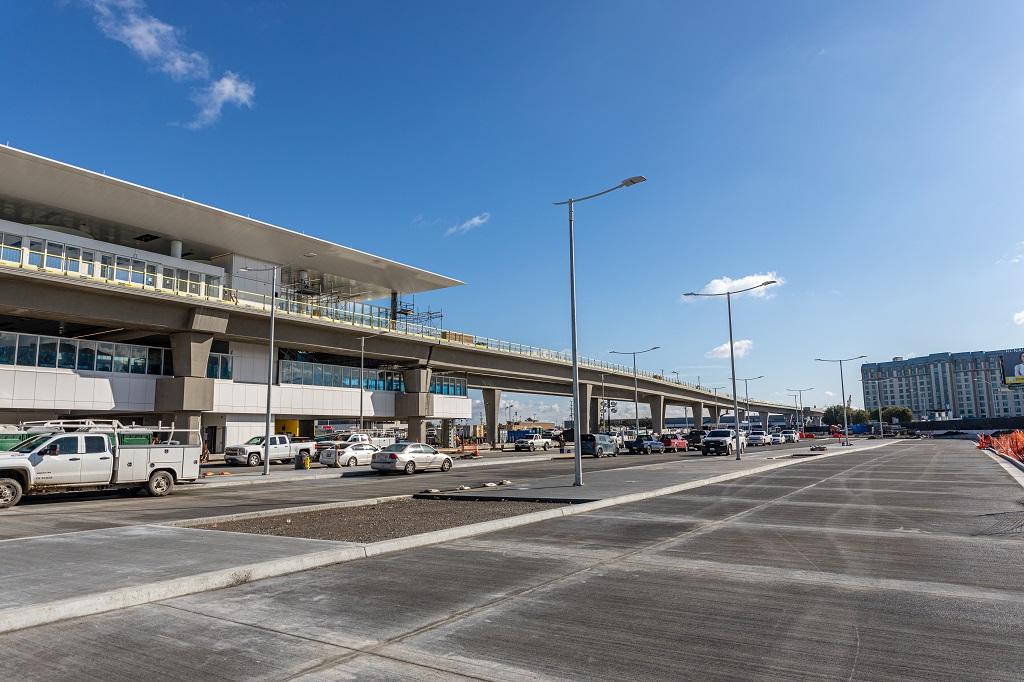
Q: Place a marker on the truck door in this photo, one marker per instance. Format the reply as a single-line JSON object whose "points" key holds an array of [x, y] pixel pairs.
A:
{"points": [[60, 462], [97, 461]]}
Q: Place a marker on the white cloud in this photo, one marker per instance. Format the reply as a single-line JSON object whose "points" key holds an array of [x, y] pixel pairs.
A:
{"points": [[160, 44], [228, 89], [723, 284], [473, 223], [1018, 318], [741, 348], [154, 41], [830, 394]]}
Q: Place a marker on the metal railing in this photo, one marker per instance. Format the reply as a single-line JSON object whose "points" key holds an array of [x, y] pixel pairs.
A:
{"points": [[341, 312]]}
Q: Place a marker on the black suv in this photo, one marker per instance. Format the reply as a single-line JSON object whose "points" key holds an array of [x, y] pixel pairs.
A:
{"points": [[694, 439]]}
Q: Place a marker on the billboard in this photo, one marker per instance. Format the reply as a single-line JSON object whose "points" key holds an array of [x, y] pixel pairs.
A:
{"points": [[1013, 368]]}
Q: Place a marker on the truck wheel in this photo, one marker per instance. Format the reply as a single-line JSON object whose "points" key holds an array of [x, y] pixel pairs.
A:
{"points": [[253, 460], [160, 484], [545, 447], [10, 492], [533, 448], [599, 453], [410, 467]]}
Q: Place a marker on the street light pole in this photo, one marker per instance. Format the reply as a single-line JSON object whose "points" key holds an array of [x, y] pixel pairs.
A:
{"points": [[800, 392], [604, 403], [577, 431], [842, 387], [746, 392], [636, 387], [732, 351], [271, 361], [362, 370]]}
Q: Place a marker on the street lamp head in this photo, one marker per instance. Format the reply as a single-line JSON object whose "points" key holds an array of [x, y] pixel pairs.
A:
{"points": [[769, 283], [635, 180]]}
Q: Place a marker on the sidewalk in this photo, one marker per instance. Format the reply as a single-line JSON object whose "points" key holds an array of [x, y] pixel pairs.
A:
{"points": [[119, 567]]}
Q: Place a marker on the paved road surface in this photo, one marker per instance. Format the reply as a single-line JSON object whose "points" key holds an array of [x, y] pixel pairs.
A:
{"points": [[894, 564]]}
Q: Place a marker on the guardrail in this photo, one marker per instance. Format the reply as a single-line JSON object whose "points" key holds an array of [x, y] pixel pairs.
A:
{"points": [[341, 312]]}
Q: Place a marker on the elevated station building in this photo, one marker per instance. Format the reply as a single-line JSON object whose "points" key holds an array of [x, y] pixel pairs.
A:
{"points": [[121, 301]]}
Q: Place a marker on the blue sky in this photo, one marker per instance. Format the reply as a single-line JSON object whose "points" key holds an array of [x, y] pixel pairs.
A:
{"points": [[868, 154]]}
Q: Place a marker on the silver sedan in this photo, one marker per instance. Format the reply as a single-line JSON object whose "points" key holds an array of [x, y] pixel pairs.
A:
{"points": [[410, 458], [347, 455]]}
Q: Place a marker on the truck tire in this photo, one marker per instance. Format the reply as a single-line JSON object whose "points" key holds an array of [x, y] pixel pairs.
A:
{"points": [[253, 460], [161, 483], [545, 447], [10, 492]]}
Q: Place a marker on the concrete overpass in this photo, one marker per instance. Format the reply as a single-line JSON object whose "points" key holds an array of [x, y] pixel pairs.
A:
{"points": [[192, 322]]}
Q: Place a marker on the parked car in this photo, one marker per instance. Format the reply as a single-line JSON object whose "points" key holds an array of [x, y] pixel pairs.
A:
{"points": [[410, 458], [694, 439], [598, 445], [645, 445], [778, 438], [282, 449], [790, 436], [532, 442], [348, 455], [673, 442], [759, 438], [722, 441]]}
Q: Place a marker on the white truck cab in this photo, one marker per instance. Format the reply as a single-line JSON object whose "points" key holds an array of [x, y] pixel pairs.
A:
{"points": [[282, 449], [73, 455]]}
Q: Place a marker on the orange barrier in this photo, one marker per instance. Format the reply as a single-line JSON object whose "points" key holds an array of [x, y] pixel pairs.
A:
{"points": [[1010, 444]]}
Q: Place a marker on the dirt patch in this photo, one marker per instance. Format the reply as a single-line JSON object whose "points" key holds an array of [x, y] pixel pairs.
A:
{"points": [[384, 521]]}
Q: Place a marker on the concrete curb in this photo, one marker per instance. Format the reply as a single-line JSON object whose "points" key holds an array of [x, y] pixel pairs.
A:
{"points": [[1012, 466], [279, 511], [39, 614]]}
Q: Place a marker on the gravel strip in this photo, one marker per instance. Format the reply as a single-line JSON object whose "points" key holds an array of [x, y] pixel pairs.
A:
{"points": [[384, 521]]}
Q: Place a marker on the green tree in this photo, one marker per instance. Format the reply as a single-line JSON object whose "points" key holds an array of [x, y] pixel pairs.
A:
{"points": [[833, 415], [902, 413], [858, 416]]}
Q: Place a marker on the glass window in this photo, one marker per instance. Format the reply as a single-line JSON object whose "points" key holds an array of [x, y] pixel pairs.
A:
{"points": [[105, 357], [11, 250], [213, 286], [318, 375], [55, 255], [183, 280], [150, 275], [122, 268], [35, 256], [140, 357], [94, 444], [72, 262], [194, 283], [47, 351], [122, 357], [212, 366], [156, 356], [88, 263], [27, 348], [307, 374], [225, 367], [106, 266], [66, 354], [168, 278], [68, 445], [86, 355], [168, 363], [138, 272], [8, 346]]}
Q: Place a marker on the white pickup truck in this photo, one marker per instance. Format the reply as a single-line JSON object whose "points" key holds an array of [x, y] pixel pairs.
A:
{"points": [[73, 455], [533, 441], [282, 449]]}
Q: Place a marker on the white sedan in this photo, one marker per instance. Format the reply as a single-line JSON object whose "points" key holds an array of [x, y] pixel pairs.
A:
{"points": [[410, 458], [347, 455]]}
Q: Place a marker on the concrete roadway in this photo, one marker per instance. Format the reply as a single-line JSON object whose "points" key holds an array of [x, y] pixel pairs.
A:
{"points": [[901, 563], [51, 514]]}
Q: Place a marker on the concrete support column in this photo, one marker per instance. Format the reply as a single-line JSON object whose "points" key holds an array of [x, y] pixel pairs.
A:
{"points": [[697, 413], [417, 431], [595, 415], [446, 434], [715, 412], [416, 403], [741, 416], [583, 412], [190, 353], [492, 405], [657, 404], [191, 421], [764, 421]]}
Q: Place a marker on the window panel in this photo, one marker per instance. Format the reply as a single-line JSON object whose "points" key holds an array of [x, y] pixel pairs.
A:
{"points": [[122, 357], [72, 262], [168, 363], [66, 354], [212, 366], [140, 357], [155, 360], [10, 250], [88, 263], [47, 352], [122, 268], [151, 271], [28, 346], [168, 279], [105, 357], [8, 347], [106, 266], [194, 283], [225, 367], [86, 356], [138, 272], [35, 256]]}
